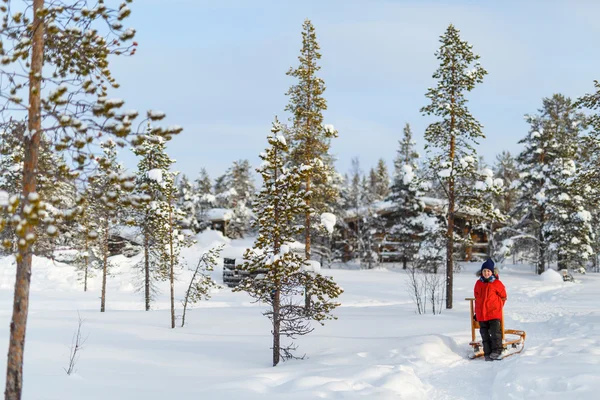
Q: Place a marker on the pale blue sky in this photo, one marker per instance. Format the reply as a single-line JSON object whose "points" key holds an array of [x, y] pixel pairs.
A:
{"points": [[217, 68]]}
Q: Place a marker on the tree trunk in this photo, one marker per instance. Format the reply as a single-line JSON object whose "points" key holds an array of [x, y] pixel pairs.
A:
{"points": [[307, 245], [541, 264], [450, 231], [105, 267], [172, 265], [18, 325], [146, 269], [276, 326], [86, 261]]}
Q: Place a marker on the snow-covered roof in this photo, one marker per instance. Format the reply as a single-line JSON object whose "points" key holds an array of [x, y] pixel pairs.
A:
{"points": [[131, 233], [219, 214]]}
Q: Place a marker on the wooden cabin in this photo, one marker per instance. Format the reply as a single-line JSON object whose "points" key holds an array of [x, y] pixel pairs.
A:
{"points": [[387, 246]]}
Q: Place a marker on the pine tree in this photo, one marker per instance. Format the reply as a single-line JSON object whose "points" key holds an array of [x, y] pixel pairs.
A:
{"points": [[155, 183], [407, 215], [407, 155], [108, 189], [311, 139], [569, 221], [204, 197], [450, 139], [239, 180], [186, 202], [506, 169], [549, 185], [89, 256], [64, 49], [281, 271], [371, 223], [590, 164], [379, 181]]}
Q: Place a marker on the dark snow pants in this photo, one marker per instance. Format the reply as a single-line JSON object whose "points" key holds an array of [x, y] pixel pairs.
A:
{"points": [[491, 336]]}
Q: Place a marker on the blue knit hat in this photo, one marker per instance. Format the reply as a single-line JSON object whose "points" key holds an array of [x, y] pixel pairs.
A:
{"points": [[488, 264]]}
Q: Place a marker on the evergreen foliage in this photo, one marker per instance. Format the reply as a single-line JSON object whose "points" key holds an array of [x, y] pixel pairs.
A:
{"points": [[550, 211], [310, 138], [451, 139], [186, 202], [108, 190], [278, 274], [204, 198], [155, 185]]}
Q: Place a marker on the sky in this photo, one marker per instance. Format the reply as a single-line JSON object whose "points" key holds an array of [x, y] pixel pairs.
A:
{"points": [[218, 69]]}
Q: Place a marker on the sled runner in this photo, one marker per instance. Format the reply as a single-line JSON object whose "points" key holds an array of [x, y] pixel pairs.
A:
{"points": [[513, 341]]}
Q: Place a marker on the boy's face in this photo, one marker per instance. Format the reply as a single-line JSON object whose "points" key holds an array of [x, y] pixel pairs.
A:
{"points": [[486, 273]]}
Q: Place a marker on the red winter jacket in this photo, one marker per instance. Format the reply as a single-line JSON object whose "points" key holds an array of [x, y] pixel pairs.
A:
{"points": [[489, 299]]}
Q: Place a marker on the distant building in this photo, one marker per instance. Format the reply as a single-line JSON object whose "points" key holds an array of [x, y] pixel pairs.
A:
{"points": [[386, 247]]}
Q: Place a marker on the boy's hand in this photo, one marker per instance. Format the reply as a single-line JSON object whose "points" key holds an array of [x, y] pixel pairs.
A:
{"points": [[474, 317]]}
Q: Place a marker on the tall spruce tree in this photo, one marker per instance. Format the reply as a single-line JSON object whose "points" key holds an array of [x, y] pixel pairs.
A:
{"points": [[550, 212], [279, 271], [55, 69], [451, 139], [310, 139], [590, 171]]}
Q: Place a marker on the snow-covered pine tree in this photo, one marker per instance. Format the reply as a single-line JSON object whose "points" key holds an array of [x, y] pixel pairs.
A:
{"points": [[54, 184], [277, 273], [407, 155], [205, 199], [380, 181], [371, 224], [186, 202], [451, 139], [310, 139], [108, 189], [548, 184], [590, 164], [506, 169], [239, 179], [65, 49], [222, 192], [89, 256], [408, 213], [568, 230], [155, 184]]}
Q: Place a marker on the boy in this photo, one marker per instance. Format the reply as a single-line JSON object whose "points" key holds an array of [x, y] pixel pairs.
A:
{"points": [[490, 296]]}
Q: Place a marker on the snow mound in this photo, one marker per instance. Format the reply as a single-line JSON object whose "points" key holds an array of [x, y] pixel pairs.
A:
{"points": [[551, 275]]}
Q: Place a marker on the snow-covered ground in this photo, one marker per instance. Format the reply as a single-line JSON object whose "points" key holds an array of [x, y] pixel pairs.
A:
{"points": [[377, 349]]}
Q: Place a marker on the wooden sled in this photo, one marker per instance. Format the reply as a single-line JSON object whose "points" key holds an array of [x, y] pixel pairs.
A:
{"points": [[513, 341]]}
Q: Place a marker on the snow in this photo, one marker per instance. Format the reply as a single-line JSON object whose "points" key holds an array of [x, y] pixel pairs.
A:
{"points": [[281, 139], [4, 196], [155, 175], [328, 221], [312, 266], [219, 214], [378, 348]]}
